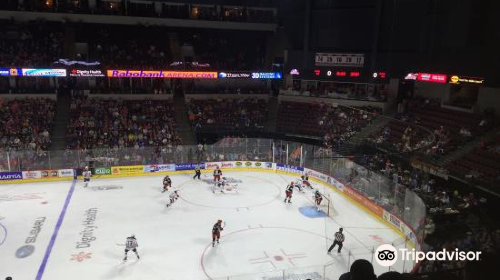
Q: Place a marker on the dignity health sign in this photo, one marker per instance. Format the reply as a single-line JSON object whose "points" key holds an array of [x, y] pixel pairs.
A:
{"points": [[161, 74]]}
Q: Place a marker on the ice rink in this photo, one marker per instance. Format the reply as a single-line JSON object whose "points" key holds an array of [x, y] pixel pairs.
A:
{"points": [[60, 230]]}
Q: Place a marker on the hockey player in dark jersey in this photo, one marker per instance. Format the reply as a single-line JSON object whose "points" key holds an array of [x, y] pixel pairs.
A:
{"points": [[318, 198], [288, 192], [216, 229], [167, 183]]}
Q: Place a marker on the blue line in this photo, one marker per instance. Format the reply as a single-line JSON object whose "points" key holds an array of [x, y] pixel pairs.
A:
{"points": [[5, 237], [56, 230]]}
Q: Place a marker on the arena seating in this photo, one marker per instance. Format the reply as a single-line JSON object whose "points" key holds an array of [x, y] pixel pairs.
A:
{"points": [[423, 117], [228, 49], [335, 123], [103, 123], [26, 123], [239, 114], [32, 44], [482, 163], [140, 50]]}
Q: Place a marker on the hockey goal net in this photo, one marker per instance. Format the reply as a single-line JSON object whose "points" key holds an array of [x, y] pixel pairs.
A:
{"points": [[326, 206]]}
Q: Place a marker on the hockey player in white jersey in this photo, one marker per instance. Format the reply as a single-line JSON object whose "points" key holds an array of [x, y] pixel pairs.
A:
{"points": [[173, 197], [220, 185], [131, 245], [298, 184], [86, 176]]}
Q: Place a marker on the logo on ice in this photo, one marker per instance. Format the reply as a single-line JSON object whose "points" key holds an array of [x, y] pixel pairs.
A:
{"points": [[387, 255]]}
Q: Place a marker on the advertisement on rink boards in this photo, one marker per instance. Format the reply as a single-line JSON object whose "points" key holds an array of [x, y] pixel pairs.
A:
{"points": [[159, 168], [189, 166], [65, 173], [32, 174], [289, 168], [5, 176], [102, 171], [361, 199], [239, 164], [50, 173], [317, 175], [401, 226], [127, 170]]}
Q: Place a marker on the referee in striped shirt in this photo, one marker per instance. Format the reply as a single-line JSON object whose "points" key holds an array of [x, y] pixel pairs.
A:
{"points": [[339, 240]]}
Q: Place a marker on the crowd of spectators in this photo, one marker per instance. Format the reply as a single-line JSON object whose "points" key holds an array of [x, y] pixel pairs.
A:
{"points": [[26, 123], [118, 123], [227, 114], [30, 44], [25, 130]]}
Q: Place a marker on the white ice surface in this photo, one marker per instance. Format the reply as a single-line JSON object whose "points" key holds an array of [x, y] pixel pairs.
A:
{"points": [[264, 237]]}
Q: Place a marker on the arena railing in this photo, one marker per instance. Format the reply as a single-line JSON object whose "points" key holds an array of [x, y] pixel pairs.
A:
{"points": [[392, 203]]}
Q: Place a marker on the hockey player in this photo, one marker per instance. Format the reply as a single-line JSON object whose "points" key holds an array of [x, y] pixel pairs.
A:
{"points": [[318, 198], [217, 174], [305, 181], [298, 184], [167, 183], [288, 192], [197, 172], [86, 176], [221, 184], [131, 244], [217, 228], [173, 197]]}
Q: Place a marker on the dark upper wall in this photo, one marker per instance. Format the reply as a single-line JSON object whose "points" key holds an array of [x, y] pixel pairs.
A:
{"points": [[449, 36]]}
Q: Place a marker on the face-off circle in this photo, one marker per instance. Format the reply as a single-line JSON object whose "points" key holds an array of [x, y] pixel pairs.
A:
{"points": [[261, 256], [252, 192]]}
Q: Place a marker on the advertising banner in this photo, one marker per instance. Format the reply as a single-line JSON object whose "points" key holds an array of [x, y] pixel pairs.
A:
{"points": [[66, 173], [213, 165], [267, 75], [190, 166], [50, 173], [435, 78], [102, 171], [332, 181], [161, 74], [5, 176], [132, 169], [455, 79], [289, 168], [86, 73], [159, 168], [317, 175], [43, 72], [401, 226], [32, 174], [235, 75], [4, 71], [361, 199]]}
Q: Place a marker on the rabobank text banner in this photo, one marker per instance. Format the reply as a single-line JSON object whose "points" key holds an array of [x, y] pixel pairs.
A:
{"points": [[161, 74]]}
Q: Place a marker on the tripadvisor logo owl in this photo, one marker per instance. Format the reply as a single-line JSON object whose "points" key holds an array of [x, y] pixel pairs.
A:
{"points": [[387, 255]]}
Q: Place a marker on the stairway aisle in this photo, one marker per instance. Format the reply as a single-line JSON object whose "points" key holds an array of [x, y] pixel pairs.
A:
{"points": [[183, 126]]}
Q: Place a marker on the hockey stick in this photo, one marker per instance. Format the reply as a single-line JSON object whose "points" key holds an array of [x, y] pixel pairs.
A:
{"points": [[223, 225], [120, 244]]}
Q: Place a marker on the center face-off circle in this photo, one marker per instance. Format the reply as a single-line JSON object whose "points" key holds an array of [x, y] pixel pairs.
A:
{"points": [[251, 191]]}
